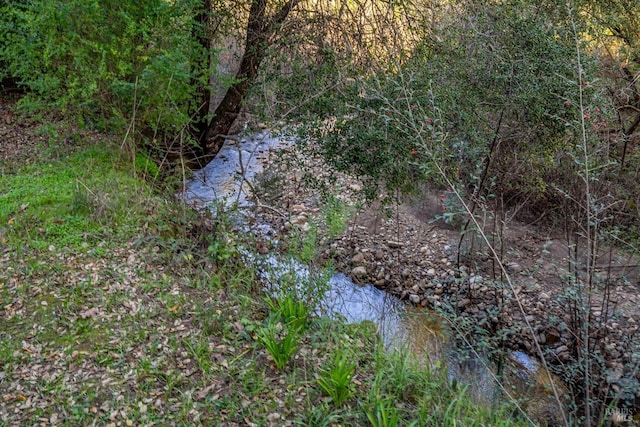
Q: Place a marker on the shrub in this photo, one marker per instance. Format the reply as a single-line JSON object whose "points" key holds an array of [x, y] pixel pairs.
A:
{"points": [[109, 63]]}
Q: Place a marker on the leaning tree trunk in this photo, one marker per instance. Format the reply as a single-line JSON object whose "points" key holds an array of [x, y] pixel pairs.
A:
{"points": [[260, 31]]}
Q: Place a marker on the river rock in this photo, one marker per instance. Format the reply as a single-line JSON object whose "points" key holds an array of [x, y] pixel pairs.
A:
{"points": [[359, 272], [414, 298], [561, 349], [394, 245], [434, 300], [358, 258], [431, 272], [475, 280], [300, 219]]}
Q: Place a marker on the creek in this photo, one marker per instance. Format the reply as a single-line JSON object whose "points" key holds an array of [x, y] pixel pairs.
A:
{"points": [[227, 180]]}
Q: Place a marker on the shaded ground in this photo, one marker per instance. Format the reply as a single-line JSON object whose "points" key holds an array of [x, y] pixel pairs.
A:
{"points": [[18, 140]]}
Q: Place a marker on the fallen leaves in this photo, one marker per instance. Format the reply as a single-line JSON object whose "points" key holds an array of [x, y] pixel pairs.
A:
{"points": [[92, 312], [207, 392]]}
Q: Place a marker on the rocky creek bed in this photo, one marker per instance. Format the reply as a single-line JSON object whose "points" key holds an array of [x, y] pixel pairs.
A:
{"points": [[410, 256]]}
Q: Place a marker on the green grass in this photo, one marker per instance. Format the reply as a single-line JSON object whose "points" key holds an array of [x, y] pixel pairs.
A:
{"points": [[121, 307], [304, 244], [72, 203]]}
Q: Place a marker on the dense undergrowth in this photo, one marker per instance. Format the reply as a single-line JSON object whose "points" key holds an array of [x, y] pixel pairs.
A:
{"points": [[120, 307]]}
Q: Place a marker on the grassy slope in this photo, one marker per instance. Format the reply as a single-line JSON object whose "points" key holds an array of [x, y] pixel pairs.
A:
{"points": [[119, 307]]}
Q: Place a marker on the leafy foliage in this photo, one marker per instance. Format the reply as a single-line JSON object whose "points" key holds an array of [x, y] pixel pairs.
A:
{"points": [[392, 127], [281, 343], [384, 414], [106, 63], [290, 310], [336, 215], [336, 381], [284, 328]]}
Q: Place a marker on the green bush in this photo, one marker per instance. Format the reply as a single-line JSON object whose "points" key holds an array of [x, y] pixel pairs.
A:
{"points": [[454, 104], [146, 167], [106, 62]]}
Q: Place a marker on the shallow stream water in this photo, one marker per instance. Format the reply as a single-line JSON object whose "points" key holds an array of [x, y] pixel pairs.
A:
{"points": [[422, 332], [224, 180]]}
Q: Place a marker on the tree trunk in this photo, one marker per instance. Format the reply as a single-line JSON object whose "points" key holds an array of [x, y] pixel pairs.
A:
{"points": [[200, 123], [260, 31], [632, 80]]}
